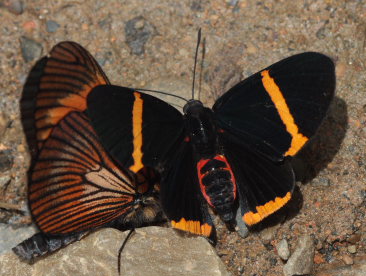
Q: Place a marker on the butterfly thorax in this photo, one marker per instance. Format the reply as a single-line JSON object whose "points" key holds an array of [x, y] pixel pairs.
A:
{"points": [[200, 128], [216, 179]]}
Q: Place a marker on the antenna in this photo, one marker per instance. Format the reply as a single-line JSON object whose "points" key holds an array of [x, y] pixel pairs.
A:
{"points": [[201, 71], [195, 61], [160, 92], [121, 249]]}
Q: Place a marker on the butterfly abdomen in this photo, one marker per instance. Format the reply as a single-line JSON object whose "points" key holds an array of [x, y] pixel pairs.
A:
{"points": [[217, 183]]}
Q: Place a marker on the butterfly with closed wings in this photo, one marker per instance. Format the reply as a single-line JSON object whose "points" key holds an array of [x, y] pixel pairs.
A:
{"points": [[74, 185]]}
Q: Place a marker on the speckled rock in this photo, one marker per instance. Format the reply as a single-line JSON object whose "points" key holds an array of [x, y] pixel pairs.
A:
{"points": [[31, 49], [283, 250], [138, 30], [52, 26], [150, 251], [302, 260]]}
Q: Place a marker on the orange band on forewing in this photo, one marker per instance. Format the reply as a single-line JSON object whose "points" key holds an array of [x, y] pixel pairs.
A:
{"points": [[265, 210], [192, 226], [298, 140], [137, 133]]}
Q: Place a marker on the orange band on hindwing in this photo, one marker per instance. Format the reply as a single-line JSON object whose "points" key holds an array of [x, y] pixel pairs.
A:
{"points": [[192, 226], [137, 111], [298, 139], [265, 210]]}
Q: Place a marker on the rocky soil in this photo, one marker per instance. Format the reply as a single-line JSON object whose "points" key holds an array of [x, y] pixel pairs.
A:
{"points": [[322, 231]]}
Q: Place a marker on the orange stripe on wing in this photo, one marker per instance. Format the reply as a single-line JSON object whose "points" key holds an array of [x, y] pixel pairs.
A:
{"points": [[137, 133], [192, 226], [68, 76], [265, 210], [298, 139]]}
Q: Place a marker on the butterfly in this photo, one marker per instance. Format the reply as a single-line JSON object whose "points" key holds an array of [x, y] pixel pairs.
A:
{"points": [[233, 156], [74, 185]]}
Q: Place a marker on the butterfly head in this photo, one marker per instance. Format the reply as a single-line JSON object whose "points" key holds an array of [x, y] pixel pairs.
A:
{"points": [[192, 106]]}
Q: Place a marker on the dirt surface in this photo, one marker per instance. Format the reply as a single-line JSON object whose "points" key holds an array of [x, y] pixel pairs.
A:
{"points": [[139, 43]]}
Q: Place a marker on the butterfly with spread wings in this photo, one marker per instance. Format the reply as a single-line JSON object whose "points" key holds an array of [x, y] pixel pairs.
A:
{"points": [[236, 153], [75, 186]]}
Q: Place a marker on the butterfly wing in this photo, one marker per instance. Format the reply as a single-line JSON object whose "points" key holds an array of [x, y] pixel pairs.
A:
{"points": [[136, 129], [263, 185], [267, 117], [57, 85], [181, 197], [140, 130], [277, 110], [74, 185]]}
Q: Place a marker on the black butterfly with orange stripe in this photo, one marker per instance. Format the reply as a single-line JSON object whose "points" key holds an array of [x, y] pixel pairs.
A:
{"points": [[75, 186], [236, 152]]}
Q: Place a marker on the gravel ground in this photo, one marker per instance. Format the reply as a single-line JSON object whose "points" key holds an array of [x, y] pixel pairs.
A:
{"points": [[152, 45]]}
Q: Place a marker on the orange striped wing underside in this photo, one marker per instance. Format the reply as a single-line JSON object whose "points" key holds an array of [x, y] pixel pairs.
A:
{"points": [[74, 185], [57, 85]]}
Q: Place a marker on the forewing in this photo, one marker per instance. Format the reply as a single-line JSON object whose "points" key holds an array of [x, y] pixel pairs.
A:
{"points": [[181, 197], [57, 85], [263, 186], [136, 129], [74, 185], [277, 110]]}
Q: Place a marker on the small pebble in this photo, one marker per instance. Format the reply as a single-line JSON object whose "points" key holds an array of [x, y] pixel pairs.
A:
{"points": [[241, 227], [352, 249], [52, 26], [30, 49], [347, 260], [319, 259], [283, 250], [29, 26], [138, 31], [302, 260], [355, 238], [13, 6]]}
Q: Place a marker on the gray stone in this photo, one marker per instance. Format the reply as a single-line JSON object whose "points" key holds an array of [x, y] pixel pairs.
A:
{"points": [[283, 250], [30, 49], [241, 227], [13, 6], [11, 237], [52, 26], [138, 31], [150, 251], [302, 260]]}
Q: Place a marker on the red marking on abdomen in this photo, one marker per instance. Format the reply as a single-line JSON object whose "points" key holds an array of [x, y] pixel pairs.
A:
{"points": [[201, 176]]}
